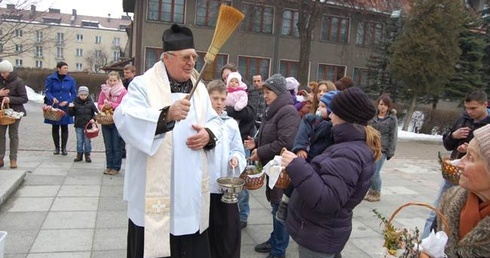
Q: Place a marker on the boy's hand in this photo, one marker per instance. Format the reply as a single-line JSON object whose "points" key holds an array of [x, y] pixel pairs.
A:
{"points": [[71, 105], [302, 154]]}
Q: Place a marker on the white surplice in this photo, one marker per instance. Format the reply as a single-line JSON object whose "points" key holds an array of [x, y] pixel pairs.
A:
{"points": [[136, 121]]}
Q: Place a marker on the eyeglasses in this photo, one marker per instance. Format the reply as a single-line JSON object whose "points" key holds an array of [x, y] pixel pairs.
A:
{"points": [[185, 58]]}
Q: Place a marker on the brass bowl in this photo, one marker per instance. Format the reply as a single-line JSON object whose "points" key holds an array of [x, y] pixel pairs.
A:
{"points": [[230, 187]]}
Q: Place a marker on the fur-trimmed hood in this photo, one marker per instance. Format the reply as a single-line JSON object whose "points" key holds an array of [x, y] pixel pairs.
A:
{"points": [[474, 244]]}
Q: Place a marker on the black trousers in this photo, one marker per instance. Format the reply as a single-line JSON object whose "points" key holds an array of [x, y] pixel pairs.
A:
{"points": [[224, 228], [55, 132], [187, 246]]}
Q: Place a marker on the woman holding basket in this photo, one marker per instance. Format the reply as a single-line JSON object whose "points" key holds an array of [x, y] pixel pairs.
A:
{"points": [[327, 189], [467, 206], [112, 92], [60, 91], [13, 93]]}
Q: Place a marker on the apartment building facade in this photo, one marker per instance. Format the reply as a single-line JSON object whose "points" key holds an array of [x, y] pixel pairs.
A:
{"points": [[40, 39], [266, 42]]}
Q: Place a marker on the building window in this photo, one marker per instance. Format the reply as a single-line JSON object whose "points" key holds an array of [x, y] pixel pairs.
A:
{"points": [[330, 72], [166, 10], [207, 12], [360, 77], [98, 39], [98, 53], [18, 33], [250, 66], [79, 52], [288, 68], [60, 38], [59, 53], [116, 42], [39, 64], [335, 29], [258, 18], [19, 63], [39, 36], [79, 37], [152, 56], [212, 70], [369, 34], [79, 66], [116, 55], [290, 23], [18, 48], [39, 51]]}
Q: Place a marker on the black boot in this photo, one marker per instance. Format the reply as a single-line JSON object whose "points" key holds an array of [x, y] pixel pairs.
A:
{"points": [[79, 157], [56, 151], [64, 152], [87, 157]]}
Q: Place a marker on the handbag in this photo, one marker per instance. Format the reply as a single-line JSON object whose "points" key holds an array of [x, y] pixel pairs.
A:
{"points": [[93, 131]]}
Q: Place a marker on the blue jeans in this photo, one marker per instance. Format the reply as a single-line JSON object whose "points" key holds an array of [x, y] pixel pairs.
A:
{"points": [[243, 198], [113, 149], [376, 179], [84, 144], [307, 253], [432, 215], [279, 239]]}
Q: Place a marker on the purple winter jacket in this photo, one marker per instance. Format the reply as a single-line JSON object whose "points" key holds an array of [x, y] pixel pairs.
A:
{"points": [[328, 189]]}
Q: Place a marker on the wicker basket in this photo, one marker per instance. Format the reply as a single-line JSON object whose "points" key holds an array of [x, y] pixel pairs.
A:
{"points": [[93, 131], [252, 183], [105, 119], [283, 181], [449, 171], [54, 114], [4, 118], [443, 218]]}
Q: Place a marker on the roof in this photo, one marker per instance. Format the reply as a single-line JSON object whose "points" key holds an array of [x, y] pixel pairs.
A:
{"points": [[53, 16]]}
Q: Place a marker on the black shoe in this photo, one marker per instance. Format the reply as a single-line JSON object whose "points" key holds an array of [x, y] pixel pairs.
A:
{"points": [[263, 248], [243, 224], [64, 152], [78, 158], [273, 256], [282, 212], [87, 157], [56, 151], [339, 255]]}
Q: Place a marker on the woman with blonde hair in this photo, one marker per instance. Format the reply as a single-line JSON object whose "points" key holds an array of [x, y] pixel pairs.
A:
{"points": [[318, 90], [327, 189]]}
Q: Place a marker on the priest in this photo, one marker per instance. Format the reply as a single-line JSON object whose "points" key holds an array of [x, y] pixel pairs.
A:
{"points": [[167, 135]]}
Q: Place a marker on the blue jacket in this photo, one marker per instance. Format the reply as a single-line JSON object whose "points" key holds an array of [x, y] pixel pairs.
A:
{"points": [[314, 135], [63, 91], [328, 189]]}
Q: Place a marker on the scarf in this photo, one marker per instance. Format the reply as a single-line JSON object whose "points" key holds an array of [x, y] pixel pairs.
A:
{"points": [[159, 170], [112, 93], [473, 211]]}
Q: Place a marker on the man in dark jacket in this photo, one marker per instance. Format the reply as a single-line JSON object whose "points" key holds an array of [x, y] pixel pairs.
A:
{"points": [[256, 99], [476, 115], [12, 92]]}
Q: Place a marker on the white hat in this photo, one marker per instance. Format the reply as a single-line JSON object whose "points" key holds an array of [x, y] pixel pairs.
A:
{"points": [[233, 75], [292, 84], [6, 66]]}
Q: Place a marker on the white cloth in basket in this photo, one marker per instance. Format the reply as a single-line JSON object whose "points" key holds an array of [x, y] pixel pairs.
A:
{"points": [[434, 244], [273, 169]]}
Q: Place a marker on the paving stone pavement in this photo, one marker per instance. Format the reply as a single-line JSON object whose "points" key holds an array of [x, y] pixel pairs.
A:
{"points": [[68, 209]]}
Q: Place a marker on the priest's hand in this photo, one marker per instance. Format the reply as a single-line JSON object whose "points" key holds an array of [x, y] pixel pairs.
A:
{"points": [[178, 110], [198, 140]]}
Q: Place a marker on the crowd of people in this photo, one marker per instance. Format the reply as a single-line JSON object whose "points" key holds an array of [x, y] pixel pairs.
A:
{"points": [[332, 140]]}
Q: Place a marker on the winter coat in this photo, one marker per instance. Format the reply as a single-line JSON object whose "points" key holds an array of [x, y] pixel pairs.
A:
{"points": [[314, 135], [17, 94], [464, 120], [83, 111], [328, 189], [277, 131], [256, 100], [475, 244], [388, 129], [62, 90]]}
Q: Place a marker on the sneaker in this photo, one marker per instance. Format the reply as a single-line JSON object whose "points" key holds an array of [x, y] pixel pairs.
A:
{"points": [[106, 171], [243, 224], [368, 194], [113, 172], [263, 248], [282, 212], [375, 197]]}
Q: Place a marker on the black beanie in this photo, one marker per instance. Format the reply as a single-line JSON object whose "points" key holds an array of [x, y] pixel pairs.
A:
{"points": [[177, 38], [353, 105]]}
